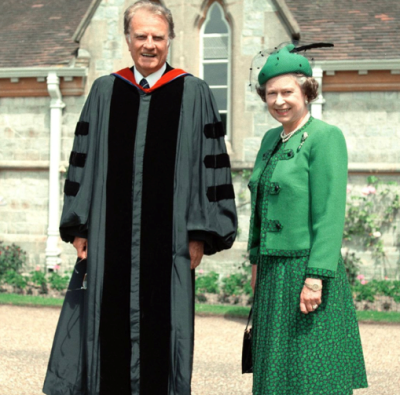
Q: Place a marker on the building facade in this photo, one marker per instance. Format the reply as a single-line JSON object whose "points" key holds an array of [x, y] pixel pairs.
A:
{"points": [[43, 89]]}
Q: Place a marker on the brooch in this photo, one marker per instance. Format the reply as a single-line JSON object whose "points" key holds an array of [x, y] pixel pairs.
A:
{"points": [[303, 139]]}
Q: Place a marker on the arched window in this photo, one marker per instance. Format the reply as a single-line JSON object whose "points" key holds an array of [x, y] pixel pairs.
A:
{"points": [[215, 53]]}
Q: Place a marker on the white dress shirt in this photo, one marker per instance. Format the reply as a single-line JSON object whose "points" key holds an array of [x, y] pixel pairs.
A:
{"points": [[151, 78]]}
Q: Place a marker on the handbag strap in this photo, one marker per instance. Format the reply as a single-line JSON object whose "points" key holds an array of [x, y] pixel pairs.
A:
{"points": [[249, 319]]}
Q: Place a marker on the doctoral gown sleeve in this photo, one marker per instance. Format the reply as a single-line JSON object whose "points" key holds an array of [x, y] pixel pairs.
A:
{"points": [[79, 182], [212, 213], [328, 180]]}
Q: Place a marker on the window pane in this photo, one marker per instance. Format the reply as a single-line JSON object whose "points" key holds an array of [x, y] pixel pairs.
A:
{"points": [[216, 74], [221, 97], [215, 47], [215, 23]]}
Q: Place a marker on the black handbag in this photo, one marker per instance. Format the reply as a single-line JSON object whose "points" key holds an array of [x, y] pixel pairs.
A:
{"points": [[247, 362]]}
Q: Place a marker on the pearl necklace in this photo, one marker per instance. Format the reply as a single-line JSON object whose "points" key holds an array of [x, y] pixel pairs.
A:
{"points": [[285, 137]]}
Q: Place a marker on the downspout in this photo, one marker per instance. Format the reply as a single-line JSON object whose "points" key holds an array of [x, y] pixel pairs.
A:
{"points": [[316, 105], [56, 106]]}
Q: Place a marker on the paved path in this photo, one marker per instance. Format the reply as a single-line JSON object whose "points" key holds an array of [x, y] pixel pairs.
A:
{"points": [[26, 335]]}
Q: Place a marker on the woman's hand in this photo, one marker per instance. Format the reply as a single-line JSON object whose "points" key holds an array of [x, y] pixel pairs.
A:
{"points": [[308, 298], [80, 245], [253, 276]]}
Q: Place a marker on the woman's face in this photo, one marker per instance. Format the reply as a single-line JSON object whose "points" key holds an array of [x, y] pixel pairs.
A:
{"points": [[286, 101]]}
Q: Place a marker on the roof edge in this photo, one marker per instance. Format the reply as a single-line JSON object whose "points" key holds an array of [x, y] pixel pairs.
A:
{"points": [[364, 64], [288, 18], [80, 30], [26, 72]]}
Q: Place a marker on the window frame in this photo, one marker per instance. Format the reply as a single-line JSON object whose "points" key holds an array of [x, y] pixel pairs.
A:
{"points": [[218, 61]]}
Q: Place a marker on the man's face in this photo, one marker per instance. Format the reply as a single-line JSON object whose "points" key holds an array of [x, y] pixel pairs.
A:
{"points": [[148, 41]]}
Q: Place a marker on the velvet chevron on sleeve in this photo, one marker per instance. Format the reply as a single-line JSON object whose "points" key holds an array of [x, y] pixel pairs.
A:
{"points": [[212, 215], [82, 165]]}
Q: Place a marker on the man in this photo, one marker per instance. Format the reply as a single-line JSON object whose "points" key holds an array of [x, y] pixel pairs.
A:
{"points": [[148, 191]]}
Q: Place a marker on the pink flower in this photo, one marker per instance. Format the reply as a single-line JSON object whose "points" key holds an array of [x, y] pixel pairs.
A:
{"points": [[386, 278], [37, 268], [201, 271], [368, 190], [348, 189], [363, 282], [56, 267], [360, 277]]}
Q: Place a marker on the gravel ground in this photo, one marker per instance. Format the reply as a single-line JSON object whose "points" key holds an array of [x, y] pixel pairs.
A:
{"points": [[26, 335]]}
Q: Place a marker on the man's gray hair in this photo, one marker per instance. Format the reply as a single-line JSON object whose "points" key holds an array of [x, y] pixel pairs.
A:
{"points": [[152, 7]]}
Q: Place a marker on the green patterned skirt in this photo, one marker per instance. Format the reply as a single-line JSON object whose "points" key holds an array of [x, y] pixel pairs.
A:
{"points": [[304, 354]]}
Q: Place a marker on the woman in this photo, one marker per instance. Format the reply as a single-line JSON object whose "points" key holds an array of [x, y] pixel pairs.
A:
{"points": [[305, 334]]}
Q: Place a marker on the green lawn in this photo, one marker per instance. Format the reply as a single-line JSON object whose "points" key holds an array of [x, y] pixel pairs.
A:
{"points": [[378, 316], [28, 300], [232, 311], [205, 309]]}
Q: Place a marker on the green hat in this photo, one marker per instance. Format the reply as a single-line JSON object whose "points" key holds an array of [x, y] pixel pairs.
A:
{"points": [[284, 61]]}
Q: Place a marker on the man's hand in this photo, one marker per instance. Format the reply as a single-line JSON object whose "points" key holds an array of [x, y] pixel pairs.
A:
{"points": [[80, 245], [196, 251], [308, 298]]}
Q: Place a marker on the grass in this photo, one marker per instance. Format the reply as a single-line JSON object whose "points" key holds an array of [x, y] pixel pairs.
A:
{"points": [[378, 316], [228, 311], [204, 309], [28, 300]]}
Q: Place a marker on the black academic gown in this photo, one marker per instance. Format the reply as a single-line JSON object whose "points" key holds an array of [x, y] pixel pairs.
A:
{"points": [[148, 172]]}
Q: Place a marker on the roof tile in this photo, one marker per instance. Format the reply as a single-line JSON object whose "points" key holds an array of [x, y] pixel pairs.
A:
{"points": [[360, 29], [39, 32]]}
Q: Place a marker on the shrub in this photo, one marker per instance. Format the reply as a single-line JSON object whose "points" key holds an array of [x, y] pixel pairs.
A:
{"points": [[352, 265], [207, 283], [236, 284], [371, 211], [15, 279], [38, 279], [11, 258], [368, 290], [58, 282]]}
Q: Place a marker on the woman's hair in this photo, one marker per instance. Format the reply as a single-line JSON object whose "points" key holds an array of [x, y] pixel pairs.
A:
{"points": [[152, 7], [308, 85]]}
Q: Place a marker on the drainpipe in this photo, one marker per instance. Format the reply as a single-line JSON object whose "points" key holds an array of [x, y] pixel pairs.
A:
{"points": [[56, 106], [316, 105]]}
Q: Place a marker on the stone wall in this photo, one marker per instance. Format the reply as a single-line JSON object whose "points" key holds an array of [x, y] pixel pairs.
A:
{"points": [[370, 122], [24, 175]]}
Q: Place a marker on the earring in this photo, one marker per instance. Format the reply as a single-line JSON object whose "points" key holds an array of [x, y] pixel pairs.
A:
{"points": [[306, 102]]}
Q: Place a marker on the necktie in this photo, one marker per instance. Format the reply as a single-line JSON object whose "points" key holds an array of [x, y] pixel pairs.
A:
{"points": [[144, 84]]}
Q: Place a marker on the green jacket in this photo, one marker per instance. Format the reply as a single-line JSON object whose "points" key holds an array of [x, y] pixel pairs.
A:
{"points": [[307, 198]]}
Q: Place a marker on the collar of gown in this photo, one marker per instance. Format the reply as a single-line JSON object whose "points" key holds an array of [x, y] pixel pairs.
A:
{"points": [[128, 76]]}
